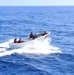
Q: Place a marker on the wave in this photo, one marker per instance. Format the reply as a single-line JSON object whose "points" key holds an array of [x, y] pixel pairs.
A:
{"points": [[37, 47], [24, 67]]}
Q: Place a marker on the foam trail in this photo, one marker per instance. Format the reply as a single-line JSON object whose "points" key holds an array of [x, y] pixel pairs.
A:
{"points": [[36, 47], [3, 46]]}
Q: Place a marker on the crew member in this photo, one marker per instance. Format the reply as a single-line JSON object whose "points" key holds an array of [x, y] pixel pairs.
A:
{"points": [[20, 41], [15, 40], [44, 33], [31, 35]]}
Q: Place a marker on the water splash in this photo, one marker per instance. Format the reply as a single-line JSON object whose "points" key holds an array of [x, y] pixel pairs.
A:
{"points": [[36, 47]]}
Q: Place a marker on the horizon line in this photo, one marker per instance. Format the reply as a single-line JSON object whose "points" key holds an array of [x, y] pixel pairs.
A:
{"points": [[36, 5]]}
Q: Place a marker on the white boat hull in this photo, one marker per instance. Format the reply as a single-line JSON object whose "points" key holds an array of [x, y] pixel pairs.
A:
{"points": [[27, 41], [17, 45]]}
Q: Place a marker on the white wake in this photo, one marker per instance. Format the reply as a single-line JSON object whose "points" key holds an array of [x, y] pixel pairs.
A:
{"points": [[37, 47]]}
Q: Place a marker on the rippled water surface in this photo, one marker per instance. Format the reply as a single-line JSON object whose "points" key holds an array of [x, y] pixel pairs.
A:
{"points": [[53, 56]]}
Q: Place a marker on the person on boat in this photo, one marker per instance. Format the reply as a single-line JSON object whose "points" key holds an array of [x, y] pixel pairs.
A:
{"points": [[20, 41], [44, 33], [31, 35], [15, 40]]}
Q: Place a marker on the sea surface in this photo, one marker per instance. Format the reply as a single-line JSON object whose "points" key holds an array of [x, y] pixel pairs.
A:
{"points": [[52, 56]]}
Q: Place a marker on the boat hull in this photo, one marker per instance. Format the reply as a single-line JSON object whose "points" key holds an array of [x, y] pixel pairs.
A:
{"points": [[17, 45], [27, 41]]}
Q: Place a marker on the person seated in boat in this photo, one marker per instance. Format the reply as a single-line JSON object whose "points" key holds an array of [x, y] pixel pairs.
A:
{"points": [[15, 40], [34, 36], [31, 35], [20, 41], [44, 33]]}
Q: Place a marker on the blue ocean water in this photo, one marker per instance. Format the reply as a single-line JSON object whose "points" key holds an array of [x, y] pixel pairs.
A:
{"points": [[51, 57]]}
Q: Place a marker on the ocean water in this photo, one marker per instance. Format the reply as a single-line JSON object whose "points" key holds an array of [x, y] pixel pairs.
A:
{"points": [[53, 56]]}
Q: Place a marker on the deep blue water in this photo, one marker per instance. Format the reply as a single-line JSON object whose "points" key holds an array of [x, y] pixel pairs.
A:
{"points": [[19, 22]]}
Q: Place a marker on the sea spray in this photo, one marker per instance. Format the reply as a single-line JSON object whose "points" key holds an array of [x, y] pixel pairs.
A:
{"points": [[35, 47]]}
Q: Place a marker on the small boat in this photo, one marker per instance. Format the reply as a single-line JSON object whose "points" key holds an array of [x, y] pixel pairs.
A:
{"points": [[28, 40]]}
